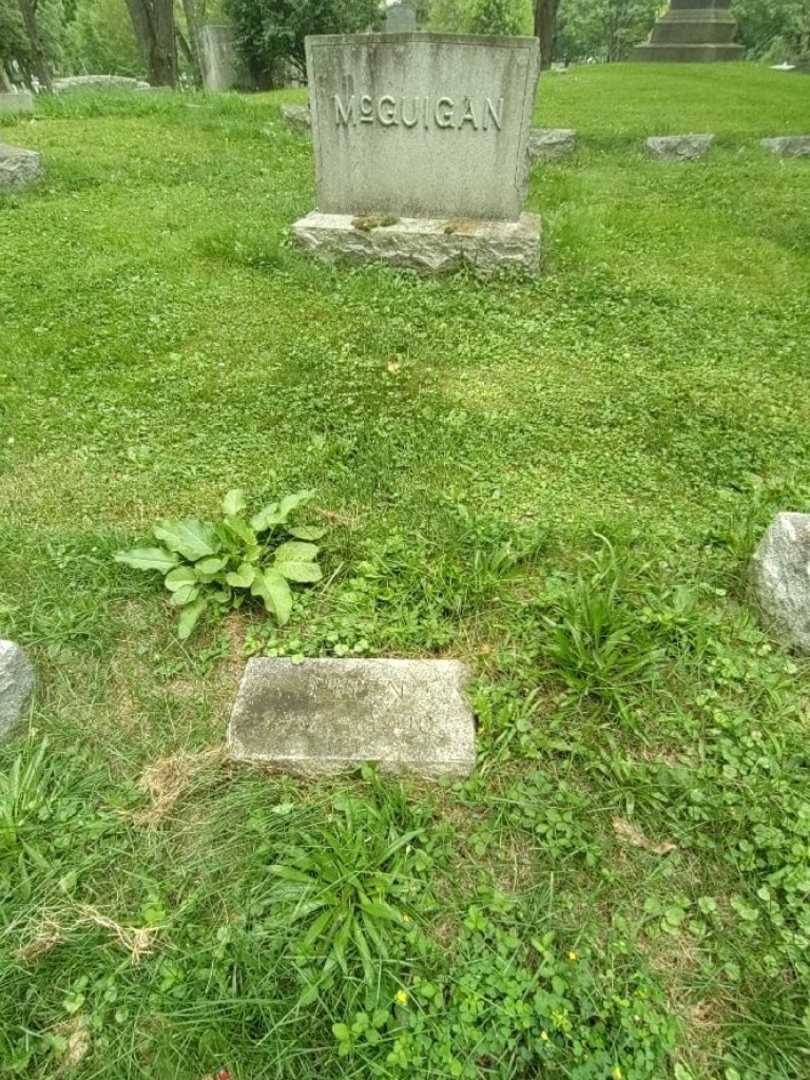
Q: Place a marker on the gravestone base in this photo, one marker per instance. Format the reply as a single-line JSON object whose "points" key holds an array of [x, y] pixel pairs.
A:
{"points": [[17, 103], [429, 245], [667, 52]]}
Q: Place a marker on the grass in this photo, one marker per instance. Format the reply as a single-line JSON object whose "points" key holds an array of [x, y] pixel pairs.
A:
{"points": [[560, 481]]}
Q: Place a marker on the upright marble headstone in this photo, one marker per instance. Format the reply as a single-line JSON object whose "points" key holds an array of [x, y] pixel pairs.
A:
{"points": [[425, 128], [218, 58], [400, 18], [693, 31]]}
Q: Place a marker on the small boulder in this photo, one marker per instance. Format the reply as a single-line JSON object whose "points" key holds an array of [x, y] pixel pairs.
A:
{"points": [[297, 118], [548, 144], [788, 146], [679, 147], [781, 579], [18, 167], [16, 686]]}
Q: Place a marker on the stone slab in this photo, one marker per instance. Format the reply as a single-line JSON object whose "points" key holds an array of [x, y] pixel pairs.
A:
{"points": [[16, 686], [788, 146], [18, 167], [297, 118], [422, 125], [549, 144], [429, 245], [78, 83], [322, 717], [17, 103], [665, 52], [679, 147], [781, 579]]}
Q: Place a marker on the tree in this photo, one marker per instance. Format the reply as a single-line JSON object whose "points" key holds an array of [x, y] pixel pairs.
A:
{"points": [[153, 22], [496, 17], [481, 16], [604, 28], [100, 40], [545, 28], [271, 31], [768, 27], [39, 56]]}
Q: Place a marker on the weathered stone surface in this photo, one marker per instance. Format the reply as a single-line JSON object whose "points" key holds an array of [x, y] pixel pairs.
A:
{"points": [[16, 103], [781, 577], [548, 144], [322, 717], [425, 244], [693, 31], [400, 18], [297, 118], [18, 166], [679, 147], [788, 146], [422, 125], [16, 686], [97, 82]]}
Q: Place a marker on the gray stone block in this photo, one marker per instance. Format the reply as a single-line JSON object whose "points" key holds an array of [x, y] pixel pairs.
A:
{"points": [[422, 125], [548, 144], [679, 147], [425, 244], [18, 167], [76, 83], [16, 686], [297, 119], [322, 717], [788, 146], [17, 103], [781, 579]]}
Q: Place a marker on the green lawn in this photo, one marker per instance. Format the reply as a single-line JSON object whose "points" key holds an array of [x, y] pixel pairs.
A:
{"points": [[559, 481]]}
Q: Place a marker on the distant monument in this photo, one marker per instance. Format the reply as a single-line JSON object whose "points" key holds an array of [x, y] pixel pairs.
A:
{"points": [[420, 150], [693, 31], [400, 18]]}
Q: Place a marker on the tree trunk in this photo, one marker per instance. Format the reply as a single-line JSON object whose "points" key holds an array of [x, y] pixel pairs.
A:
{"points": [[153, 22], [545, 26], [5, 82], [42, 70], [193, 25]]}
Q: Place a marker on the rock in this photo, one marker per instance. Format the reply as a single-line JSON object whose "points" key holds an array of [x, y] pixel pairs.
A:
{"points": [[297, 118], [18, 167], [781, 577], [22, 101], [97, 82], [548, 144], [679, 147], [321, 717], [426, 244], [16, 686], [788, 146]]}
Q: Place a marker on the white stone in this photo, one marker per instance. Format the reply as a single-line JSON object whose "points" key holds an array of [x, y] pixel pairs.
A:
{"points": [[422, 125], [76, 83], [425, 244], [679, 147], [297, 118], [549, 144], [23, 101], [16, 686], [321, 717], [788, 146], [18, 166], [781, 578]]}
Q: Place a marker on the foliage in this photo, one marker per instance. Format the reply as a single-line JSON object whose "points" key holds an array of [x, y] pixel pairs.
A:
{"points": [[606, 29], [779, 29], [100, 40], [15, 47], [481, 16], [219, 565], [270, 32]]}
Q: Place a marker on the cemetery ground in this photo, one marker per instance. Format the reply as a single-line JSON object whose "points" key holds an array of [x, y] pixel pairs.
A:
{"points": [[559, 481]]}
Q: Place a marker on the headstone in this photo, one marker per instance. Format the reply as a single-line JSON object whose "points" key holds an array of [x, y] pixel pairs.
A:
{"points": [[549, 144], [16, 686], [693, 31], [679, 147], [77, 83], [321, 717], [781, 577], [426, 133], [22, 101], [400, 18], [218, 58], [788, 146], [18, 166], [297, 118]]}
